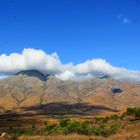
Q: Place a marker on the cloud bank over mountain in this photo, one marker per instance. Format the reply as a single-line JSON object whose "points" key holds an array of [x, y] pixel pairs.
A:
{"points": [[51, 64]]}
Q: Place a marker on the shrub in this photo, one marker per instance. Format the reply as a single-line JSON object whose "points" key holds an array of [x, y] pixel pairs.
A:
{"points": [[114, 117], [122, 116], [134, 112], [17, 132], [72, 127], [84, 129], [131, 111], [102, 119], [137, 114], [98, 130], [115, 126], [66, 127], [64, 122], [49, 129]]}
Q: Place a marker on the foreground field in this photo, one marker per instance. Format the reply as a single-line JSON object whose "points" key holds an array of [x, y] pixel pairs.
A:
{"points": [[125, 136], [130, 132], [125, 126]]}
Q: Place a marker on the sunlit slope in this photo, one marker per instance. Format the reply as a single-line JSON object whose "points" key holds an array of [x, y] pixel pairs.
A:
{"points": [[32, 88]]}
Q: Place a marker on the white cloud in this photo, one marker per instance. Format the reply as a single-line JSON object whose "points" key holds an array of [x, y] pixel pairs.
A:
{"points": [[51, 64], [66, 75], [95, 66], [124, 19], [99, 67], [31, 59]]}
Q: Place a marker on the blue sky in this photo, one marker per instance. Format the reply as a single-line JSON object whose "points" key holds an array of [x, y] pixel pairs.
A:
{"points": [[76, 29]]}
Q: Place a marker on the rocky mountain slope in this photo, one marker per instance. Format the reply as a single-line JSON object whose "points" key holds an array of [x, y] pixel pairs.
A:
{"points": [[33, 89]]}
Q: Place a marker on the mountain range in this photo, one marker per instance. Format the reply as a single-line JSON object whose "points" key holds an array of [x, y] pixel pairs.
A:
{"points": [[32, 91]]}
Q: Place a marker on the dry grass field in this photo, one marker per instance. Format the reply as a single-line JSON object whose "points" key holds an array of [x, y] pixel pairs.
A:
{"points": [[121, 136], [129, 132], [114, 127]]}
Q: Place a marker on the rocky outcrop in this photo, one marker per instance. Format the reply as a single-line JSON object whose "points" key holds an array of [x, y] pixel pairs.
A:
{"points": [[33, 73], [5, 136]]}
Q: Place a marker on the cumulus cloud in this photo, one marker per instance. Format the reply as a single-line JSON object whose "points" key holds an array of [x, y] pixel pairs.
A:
{"points": [[51, 64], [66, 75], [31, 59], [99, 67]]}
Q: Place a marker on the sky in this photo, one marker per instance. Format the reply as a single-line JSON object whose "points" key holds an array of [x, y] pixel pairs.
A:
{"points": [[79, 31]]}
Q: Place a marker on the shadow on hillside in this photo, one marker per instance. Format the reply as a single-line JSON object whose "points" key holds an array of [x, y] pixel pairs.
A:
{"points": [[59, 109], [68, 109]]}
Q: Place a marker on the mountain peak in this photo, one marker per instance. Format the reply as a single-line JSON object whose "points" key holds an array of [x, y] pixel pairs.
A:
{"points": [[105, 77], [33, 73]]}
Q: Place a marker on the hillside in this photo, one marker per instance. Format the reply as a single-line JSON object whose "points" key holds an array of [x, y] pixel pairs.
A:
{"points": [[33, 91]]}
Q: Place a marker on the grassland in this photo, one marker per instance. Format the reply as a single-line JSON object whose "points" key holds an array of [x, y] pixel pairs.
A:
{"points": [[124, 126]]}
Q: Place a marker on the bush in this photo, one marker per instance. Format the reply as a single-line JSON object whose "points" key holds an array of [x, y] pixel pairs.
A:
{"points": [[83, 128], [25, 132], [64, 122], [98, 130], [137, 114], [72, 127], [133, 112], [68, 127], [114, 117], [49, 129], [115, 126], [122, 116], [102, 119]]}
